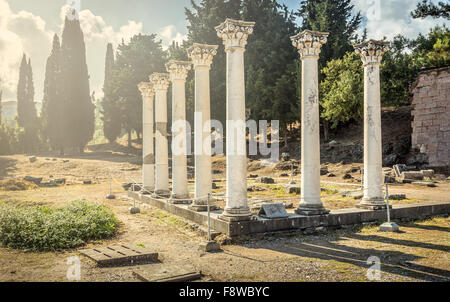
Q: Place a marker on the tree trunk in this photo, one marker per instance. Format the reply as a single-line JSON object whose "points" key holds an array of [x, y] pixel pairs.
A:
{"points": [[326, 131], [129, 139]]}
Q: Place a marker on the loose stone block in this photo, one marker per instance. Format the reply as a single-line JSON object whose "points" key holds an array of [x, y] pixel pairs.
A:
{"points": [[273, 211]]}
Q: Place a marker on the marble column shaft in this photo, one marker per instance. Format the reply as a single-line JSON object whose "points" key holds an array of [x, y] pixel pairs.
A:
{"points": [[309, 45], [202, 58], [234, 35], [148, 165], [160, 83], [178, 71], [371, 53]]}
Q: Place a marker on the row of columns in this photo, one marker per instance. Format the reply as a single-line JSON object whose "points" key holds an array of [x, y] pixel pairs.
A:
{"points": [[234, 34]]}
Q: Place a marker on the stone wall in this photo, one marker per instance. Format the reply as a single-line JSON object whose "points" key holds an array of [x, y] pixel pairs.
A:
{"points": [[431, 125]]}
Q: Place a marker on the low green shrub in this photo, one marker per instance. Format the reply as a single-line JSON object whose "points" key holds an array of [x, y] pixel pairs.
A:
{"points": [[41, 228]]}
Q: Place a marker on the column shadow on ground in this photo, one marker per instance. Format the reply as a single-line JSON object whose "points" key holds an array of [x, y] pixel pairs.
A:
{"points": [[393, 262]]}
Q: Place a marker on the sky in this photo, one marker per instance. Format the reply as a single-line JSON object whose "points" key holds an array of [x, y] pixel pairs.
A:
{"points": [[28, 27]]}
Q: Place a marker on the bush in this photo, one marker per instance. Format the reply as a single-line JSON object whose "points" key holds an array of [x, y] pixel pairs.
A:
{"points": [[41, 228]]}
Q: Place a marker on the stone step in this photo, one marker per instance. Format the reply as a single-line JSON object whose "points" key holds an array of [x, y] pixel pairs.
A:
{"points": [[118, 255]]}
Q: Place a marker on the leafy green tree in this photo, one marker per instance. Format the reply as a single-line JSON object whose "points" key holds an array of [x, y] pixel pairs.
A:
{"points": [[135, 61], [78, 108], [343, 88], [110, 105], [426, 8], [432, 50]]}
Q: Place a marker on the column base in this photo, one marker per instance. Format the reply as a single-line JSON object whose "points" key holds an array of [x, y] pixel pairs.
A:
{"points": [[305, 210], [147, 191], [161, 194], [180, 199], [374, 204], [236, 215], [203, 208]]}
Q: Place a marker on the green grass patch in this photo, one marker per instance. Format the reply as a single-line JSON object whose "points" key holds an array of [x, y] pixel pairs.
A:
{"points": [[42, 228]]}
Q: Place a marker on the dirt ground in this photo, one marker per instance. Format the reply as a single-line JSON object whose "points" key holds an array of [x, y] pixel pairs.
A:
{"points": [[419, 253]]}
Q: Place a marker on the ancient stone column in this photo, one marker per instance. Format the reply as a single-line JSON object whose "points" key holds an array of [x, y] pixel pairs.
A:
{"points": [[234, 35], [160, 83], [178, 71], [371, 53], [202, 57], [148, 166], [309, 45]]}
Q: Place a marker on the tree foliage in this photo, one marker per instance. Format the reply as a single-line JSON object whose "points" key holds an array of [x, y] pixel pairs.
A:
{"points": [[79, 119], [343, 88], [426, 8]]}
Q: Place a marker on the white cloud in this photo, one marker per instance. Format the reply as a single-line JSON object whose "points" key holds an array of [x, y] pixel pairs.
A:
{"points": [[24, 32], [390, 18], [170, 34], [20, 33]]}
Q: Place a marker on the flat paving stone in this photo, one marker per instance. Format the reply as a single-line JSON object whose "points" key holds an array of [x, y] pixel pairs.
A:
{"points": [[167, 273], [117, 255]]}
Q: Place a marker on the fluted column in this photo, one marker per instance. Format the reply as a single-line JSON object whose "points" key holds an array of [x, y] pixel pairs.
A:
{"points": [[178, 71], [160, 83], [202, 57], [234, 35], [148, 166], [371, 53], [309, 45]]}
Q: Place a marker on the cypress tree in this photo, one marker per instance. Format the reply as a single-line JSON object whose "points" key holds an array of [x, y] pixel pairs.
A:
{"points": [[22, 93], [52, 105], [111, 109], [79, 113]]}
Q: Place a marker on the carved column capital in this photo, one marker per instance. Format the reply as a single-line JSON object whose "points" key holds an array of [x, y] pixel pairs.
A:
{"points": [[309, 43], [178, 70], [202, 54], [372, 51], [146, 89], [160, 81], [234, 33]]}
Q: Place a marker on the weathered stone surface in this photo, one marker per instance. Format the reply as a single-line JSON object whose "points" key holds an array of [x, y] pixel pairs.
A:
{"points": [[35, 180], [293, 189], [273, 211], [389, 227], [267, 180], [120, 255], [431, 103]]}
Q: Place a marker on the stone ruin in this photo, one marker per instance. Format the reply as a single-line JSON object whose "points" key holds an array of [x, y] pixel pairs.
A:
{"points": [[431, 125], [234, 34]]}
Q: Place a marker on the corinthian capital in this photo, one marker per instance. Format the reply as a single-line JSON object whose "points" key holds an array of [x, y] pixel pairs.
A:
{"points": [[234, 33], [372, 51], [160, 81], [146, 89], [309, 42], [202, 54], [178, 70]]}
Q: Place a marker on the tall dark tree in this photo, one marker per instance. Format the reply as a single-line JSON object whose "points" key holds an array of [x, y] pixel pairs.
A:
{"points": [[426, 8], [110, 103], [337, 18], [1, 96], [202, 19], [26, 109], [78, 108], [271, 63], [22, 94], [53, 113]]}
